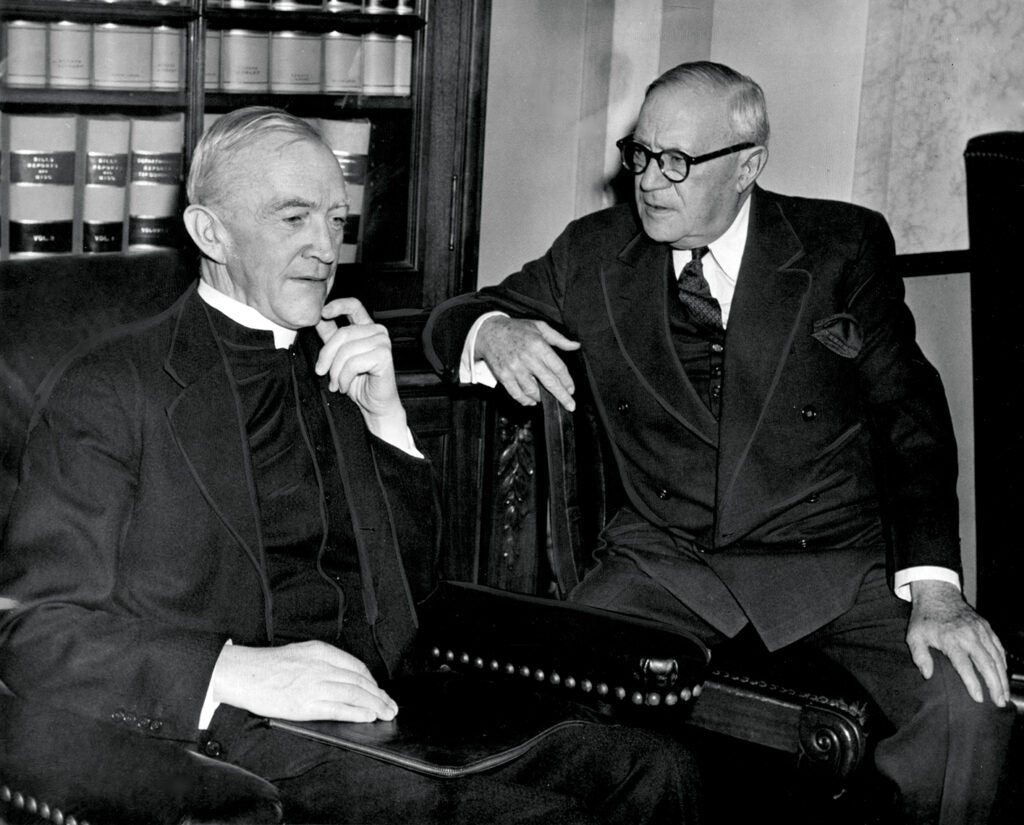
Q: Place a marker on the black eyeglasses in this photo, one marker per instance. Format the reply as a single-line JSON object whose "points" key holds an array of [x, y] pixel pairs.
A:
{"points": [[674, 164]]}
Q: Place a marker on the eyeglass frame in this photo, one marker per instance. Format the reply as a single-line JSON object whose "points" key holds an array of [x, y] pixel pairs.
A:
{"points": [[691, 161]]}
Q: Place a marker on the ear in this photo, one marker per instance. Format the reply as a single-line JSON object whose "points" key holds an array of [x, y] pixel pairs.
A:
{"points": [[207, 231], [751, 164]]}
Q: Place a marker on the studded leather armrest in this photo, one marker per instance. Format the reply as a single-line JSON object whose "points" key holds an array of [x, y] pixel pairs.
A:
{"points": [[59, 768], [616, 664]]}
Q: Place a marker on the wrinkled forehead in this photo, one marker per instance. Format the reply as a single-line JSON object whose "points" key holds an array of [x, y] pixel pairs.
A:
{"points": [[692, 118], [278, 165]]}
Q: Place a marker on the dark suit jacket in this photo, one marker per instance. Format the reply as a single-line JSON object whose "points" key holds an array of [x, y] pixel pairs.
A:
{"points": [[134, 540], [830, 412]]}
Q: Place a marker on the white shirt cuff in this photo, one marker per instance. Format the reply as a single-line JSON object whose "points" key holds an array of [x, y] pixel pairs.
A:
{"points": [[472, 371], [209, 706], [903, 578]]}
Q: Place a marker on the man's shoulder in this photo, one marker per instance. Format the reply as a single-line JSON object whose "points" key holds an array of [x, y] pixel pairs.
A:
{"points": [[125, 346], [801, 210], [606, 230]]}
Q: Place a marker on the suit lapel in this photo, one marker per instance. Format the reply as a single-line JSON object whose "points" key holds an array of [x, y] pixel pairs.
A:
{"points": [[206, 424], [767, 308], [635, 296]]}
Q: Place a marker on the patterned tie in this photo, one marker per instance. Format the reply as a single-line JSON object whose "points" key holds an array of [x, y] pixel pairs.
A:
{"points": [[695, 294]]}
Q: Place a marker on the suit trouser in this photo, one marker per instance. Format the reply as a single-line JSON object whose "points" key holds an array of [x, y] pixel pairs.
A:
{"points": [[947, 753], [581, 775]]}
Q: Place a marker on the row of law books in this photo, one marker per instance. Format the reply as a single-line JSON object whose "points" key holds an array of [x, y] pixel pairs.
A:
{"points": [[112, 183], [71, 55], [242, 60]]}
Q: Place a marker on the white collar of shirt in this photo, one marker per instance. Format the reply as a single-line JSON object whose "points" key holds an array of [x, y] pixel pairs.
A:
{"points": [[722, 263], [245, 315]]}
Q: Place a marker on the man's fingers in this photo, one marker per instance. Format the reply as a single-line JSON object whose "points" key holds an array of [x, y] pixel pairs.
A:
{"points": [[350, 307], [555, 338], [922, 657]]}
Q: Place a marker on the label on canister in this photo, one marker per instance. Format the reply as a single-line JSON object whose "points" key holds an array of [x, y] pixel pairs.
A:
{"points": [[26, 53], [244, 61], [295, 62]]}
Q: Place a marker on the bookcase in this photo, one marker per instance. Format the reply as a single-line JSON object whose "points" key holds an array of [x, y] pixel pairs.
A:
{"points": [[407, 76]]}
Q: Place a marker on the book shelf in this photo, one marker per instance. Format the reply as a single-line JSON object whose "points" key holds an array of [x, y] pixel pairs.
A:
{"points": [[418, 233]]}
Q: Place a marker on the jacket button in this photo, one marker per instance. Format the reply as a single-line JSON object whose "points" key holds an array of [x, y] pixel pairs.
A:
{"points": [[623, 406], [809, 413], [717, 348], [812, 499], [212, 748], [663, 493]]}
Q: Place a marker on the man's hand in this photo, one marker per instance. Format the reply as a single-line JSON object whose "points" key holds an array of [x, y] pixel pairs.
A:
{"points": [[302, 682], [521, 354], [357, 357], [941, 619]]}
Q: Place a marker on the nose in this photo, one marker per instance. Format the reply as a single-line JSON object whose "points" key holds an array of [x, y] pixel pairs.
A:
{"points": [[325, 240], [652, 178]]}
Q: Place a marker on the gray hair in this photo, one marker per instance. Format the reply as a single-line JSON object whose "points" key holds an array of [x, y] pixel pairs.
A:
{"points": [[229, 134], [747, 107]]}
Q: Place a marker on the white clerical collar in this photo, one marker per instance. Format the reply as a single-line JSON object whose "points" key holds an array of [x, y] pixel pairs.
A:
{"points": [[245, 315]]}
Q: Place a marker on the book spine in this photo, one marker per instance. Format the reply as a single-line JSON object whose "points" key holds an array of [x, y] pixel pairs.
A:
{"points": [[26, 53], [378, 64], [244, 60], [41, 166], [106, 184], [296, 61], [211, 70], [343, 62], [69, 56], [154, 187], [168, 58], [122, 56]]}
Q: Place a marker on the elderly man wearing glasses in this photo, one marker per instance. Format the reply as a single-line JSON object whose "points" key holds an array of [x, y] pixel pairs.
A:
{"points": [[785, 448]]}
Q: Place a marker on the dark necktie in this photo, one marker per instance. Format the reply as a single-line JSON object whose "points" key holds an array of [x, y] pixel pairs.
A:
{"points": [[695, 294]]}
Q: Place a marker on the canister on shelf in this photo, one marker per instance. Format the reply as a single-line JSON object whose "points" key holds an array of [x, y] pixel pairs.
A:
{"points": [[378, 64], [244, 60], [26, 52], [343, 62], [295, 61], [69, 48]]}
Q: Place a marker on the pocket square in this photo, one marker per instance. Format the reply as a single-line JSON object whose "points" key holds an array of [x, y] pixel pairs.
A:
{"points": [[840, 333]]}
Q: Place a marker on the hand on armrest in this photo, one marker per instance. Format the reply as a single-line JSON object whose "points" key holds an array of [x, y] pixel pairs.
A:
{"points": [[521, 355], [304, 681]]}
